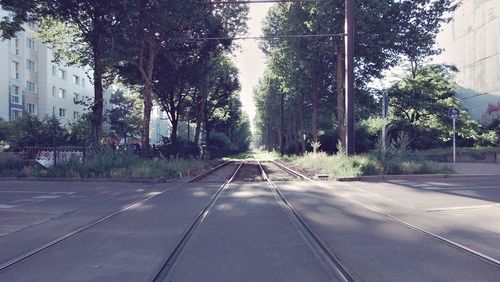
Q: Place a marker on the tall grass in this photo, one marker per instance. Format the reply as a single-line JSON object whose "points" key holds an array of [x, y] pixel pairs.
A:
{"points": [[107, 163], [339, 165]]}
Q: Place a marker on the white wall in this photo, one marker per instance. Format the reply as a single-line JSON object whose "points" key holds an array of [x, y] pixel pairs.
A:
{"points": [[472, 43]]}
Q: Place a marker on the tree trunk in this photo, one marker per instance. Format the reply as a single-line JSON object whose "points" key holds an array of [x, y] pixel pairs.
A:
{"points": [[340, 93], [302, 129], [98, 105], [315, 106], [148, 106], [200, 115], [175, 125], [147, 51]]}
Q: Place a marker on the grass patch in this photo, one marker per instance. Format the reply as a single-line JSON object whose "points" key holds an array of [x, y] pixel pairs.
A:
{"points": [[11, 166], [107, 163], [240, 156], [366, 164], [266, 156]]}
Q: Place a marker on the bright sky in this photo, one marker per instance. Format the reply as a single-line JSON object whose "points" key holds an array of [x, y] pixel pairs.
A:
{"points": [[250, 60]]}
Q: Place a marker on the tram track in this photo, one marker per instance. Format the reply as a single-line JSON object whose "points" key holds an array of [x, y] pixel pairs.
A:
{"points": [[164, 269], [329, 259], [442, 239], [8, 263]]}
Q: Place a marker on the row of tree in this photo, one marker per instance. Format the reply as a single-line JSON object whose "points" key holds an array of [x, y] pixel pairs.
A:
{"points": [[159, 46], [304, 80]]}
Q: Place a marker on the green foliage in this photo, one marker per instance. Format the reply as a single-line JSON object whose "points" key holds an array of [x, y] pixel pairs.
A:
{"points": [[339, 165], [305, 76], [11, 166], [107, 163], [419, 105], [125, 116]]}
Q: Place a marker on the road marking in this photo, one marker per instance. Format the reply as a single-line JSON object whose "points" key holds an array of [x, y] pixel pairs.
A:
{"points": [[47, 197], [28, 200], [464, 208], [7, 206], [462, 188], [38, 192]]}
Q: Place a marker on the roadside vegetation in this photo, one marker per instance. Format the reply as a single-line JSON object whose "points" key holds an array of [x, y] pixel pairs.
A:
{"points": [[107, 163], [129, 45], [300, 98]]}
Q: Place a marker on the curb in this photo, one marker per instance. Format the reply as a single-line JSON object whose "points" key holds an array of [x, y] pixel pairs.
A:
{"points": [[373, 178], [71, 179]]}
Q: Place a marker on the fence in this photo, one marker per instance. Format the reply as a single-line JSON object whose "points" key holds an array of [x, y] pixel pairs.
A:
{"points": [[51, 156]]}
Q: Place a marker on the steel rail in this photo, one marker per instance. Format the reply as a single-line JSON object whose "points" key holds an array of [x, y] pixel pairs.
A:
{"points": [[73, 233], [335, 265], [163, 271], [447, 241]]}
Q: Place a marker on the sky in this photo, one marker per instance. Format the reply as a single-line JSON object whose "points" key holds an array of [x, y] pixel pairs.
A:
{"points": [[250, 60]]}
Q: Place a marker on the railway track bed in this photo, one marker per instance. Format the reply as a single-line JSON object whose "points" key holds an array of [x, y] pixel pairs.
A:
{"points": [[254, 221]]}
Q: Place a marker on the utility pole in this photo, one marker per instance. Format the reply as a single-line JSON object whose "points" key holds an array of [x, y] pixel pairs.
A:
{"points": [[349, 75], [282, 141]]}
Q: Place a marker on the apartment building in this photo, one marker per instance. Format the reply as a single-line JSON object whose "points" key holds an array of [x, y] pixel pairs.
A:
{"points": [[30, 82], [472, 43]]}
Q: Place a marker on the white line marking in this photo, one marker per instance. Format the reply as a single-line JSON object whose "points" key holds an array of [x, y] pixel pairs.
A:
{"points": [[28, 200], [7, 206], [463, 208], [37, 192], [47, 197], [462, 188]]}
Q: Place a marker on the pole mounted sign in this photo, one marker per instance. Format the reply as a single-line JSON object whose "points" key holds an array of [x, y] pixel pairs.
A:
{"points": [[454, 113]]}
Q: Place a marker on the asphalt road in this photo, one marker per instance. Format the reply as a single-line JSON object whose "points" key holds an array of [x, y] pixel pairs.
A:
{"points": [[249, 235]]}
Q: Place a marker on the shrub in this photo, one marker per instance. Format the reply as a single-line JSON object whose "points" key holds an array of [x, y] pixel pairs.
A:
{"points": [[10, 166]]}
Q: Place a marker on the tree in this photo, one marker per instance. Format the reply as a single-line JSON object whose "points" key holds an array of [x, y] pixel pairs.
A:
{"points": [[158, 27], [90, 23], [419, 106], [125, 116], [311, 70]]}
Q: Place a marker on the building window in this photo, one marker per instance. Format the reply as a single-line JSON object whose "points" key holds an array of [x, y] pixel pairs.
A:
{"points": [[61, 74], [31, 108], [53, 111], [31, 86], [76, 79], [83, 82], [30, 65], [17, 51], [76, 97], [54, 71], [15, 97], [76, 115], [54, 91], [16, 113], [62, 93], [15, 70], [31, 44], [62, 112]]}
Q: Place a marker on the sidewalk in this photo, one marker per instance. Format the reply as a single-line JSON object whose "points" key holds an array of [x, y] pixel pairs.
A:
{"points": [[475, 168]]}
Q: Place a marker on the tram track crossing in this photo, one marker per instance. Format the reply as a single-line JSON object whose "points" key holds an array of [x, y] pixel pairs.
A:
{"points": [[451, 243], [10, 262]]}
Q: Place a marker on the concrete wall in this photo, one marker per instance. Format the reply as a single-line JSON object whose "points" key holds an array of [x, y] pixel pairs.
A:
{"points": [[472, 43]]}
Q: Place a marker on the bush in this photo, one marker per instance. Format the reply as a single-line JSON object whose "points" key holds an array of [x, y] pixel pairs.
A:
{"points": [[339, 165], [181, 149], [10, 166]]}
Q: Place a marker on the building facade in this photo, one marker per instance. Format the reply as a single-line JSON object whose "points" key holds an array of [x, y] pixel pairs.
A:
{"points": [[471, 42], [31, 82]]}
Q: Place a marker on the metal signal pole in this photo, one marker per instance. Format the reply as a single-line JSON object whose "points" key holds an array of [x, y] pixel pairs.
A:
{"points": [[349, 75]]}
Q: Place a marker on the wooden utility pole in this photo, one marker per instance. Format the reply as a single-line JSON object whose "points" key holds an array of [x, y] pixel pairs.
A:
{"points": [[349, 76]]}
